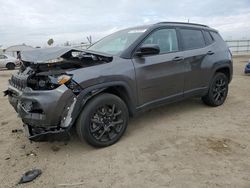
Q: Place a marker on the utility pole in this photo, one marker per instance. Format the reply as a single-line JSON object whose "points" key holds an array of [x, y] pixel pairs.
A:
{"points": [[89, 38]]}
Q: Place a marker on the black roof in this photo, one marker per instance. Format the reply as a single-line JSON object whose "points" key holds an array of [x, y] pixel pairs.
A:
{"points": [[186, 24], [183, 23]]}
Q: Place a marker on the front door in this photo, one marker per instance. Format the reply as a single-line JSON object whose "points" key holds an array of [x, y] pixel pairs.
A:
{"points": [[160, 77]]}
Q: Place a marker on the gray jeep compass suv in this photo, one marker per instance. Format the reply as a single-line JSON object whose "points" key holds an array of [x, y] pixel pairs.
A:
{"points": [[96, 90]]}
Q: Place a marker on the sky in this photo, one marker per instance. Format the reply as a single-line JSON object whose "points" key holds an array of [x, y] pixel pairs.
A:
{"points": [[34, 22]]}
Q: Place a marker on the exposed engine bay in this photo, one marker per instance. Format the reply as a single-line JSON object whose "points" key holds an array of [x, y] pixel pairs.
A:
{"points": [[45, 69]]}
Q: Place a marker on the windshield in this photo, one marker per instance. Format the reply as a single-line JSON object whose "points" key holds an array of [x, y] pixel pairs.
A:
{"points": [[117, 42]]}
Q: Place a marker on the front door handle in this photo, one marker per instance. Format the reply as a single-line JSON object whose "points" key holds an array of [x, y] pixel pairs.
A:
{"points": [[210, 53], [178, 58]]}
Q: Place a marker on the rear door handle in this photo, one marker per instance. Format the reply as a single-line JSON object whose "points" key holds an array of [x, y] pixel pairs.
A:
{"points": [[210, 53], [178, 58]]}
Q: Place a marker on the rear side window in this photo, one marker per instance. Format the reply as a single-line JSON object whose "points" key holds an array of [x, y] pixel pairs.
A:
{"points": [[208, 37], [165, 38], [192, 39], [216, 36]]}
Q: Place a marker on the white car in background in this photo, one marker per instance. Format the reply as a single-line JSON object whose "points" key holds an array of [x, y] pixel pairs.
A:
{"points": [[8, 62]]}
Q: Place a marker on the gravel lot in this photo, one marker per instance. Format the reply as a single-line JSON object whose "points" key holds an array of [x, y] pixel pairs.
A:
{"points": [[186, 144]]}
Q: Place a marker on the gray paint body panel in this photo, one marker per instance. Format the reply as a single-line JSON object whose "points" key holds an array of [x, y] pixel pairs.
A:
{"points": [[159, 76]]}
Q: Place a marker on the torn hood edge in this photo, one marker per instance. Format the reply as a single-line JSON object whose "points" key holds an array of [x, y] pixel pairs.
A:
{"points": [[40, 56]]}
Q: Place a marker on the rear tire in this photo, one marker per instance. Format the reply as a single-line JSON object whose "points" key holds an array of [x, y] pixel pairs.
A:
{"points": [[10, 66], [218, 90], [103, 120]]}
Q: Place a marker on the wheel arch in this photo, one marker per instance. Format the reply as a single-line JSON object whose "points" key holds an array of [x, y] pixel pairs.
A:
{"points": [[118, 88], [225, 68], [226, 71], [122, 92]]}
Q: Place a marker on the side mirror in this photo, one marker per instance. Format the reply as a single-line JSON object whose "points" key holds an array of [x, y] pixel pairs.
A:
{"points": [[148, 49]]}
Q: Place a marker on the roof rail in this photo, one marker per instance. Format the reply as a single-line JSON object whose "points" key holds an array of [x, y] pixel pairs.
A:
{"points": [[184, 23]]}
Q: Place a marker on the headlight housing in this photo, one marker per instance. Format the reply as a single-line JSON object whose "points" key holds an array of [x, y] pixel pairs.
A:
{"points": [[63, 79], [70, 83], [52, 82], [47, 82]]}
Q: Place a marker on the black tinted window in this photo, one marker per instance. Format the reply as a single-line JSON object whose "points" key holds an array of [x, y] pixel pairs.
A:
{"points": [[118, 41], [192, 39], [216, 36], [208, 37], [165, 38], [3, 57]]}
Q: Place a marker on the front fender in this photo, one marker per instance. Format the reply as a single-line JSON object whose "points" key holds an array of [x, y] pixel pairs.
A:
{"points": [[92, 91]]}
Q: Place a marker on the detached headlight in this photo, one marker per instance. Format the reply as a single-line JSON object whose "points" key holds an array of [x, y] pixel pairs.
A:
{"points": [[63, 79]]}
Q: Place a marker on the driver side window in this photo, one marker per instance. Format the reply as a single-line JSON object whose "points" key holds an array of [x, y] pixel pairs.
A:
{"points": [[3, 57], [166, 39]]}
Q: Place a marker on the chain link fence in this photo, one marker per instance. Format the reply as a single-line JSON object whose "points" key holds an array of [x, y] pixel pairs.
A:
{"points": [[239, 46]]}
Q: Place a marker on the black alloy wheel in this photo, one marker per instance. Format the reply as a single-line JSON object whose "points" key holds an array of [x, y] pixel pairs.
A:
{"points": [[103, 121], [218, 90], [10, 66], [106, 123]]}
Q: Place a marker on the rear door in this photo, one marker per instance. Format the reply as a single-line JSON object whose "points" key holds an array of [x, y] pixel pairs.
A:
{"points": [[160, 77], [196, 55]]}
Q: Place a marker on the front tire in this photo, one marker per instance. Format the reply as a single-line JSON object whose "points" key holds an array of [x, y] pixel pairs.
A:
{"points": [[103, 120], [218, 90]]}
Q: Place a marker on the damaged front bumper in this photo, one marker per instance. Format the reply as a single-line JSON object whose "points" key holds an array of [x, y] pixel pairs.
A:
{"points": [[46, 115], [40, 134]]}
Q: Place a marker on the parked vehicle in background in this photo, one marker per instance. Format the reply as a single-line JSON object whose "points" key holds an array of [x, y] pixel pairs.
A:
{"points": [[247, 68], [8, 62], [125, 73]]}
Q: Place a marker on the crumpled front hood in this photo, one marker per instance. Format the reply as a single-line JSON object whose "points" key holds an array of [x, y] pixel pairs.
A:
{"points": [[42, 55]]}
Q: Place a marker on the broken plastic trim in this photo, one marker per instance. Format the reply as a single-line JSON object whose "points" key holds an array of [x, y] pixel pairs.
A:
{"points": [[66, 121], [41, 134], [30, 176]]}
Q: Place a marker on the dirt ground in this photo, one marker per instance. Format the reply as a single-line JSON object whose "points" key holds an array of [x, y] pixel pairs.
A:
{"points": [[186, 144]]}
